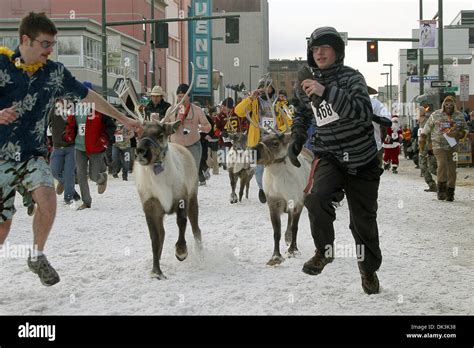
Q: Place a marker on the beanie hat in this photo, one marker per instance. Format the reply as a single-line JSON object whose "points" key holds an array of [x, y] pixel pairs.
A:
{"points": [[326, 36], [182, 88], [88, 84]]}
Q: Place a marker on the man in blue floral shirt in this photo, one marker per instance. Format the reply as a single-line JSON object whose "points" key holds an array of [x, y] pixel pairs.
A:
{"points": [[29, 86]]}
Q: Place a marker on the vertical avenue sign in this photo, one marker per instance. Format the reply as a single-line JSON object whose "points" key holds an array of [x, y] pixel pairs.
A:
{"points": [[200, 47]]}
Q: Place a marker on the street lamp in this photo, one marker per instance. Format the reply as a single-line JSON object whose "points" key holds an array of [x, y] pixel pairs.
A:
{"points": [[390, 93], [386, 85], [250, 75]]}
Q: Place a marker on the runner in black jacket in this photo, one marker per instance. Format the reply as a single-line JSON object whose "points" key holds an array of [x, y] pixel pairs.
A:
{"points": [[336, 96]]}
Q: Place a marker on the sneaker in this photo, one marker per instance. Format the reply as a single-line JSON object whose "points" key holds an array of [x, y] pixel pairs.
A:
{"points": [[261, 196], [101, 188], [125, 179], [316, 264], [432, 187], [46, 273], [68, 201], [370, 282], [76, 196], [84, 206], [59, 188], [395, 170], [115, 176], [202, 183]]}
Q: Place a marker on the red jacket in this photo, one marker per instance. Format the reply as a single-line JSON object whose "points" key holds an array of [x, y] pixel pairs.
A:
{"points": [[99, 132]]}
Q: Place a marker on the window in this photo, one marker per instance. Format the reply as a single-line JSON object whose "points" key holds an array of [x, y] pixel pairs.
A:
{"points": [[70, 50], [173, 48], [10, 42], [92, 54]]}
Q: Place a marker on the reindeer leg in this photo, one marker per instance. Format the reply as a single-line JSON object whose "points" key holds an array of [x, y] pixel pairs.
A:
{"points": [[243, 182], [193, 213], [275, 213], [288, 228], [181, 219], [154, 215], [295, 218], [233, 184]]}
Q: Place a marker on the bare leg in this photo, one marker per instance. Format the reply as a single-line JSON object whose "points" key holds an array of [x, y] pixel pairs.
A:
{"points": [[45, 198], [4, 230]]}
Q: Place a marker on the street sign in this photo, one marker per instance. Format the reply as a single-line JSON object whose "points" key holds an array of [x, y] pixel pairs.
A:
{"points": [[440, 84], [464, 95], [451, 89], [416, 78]]}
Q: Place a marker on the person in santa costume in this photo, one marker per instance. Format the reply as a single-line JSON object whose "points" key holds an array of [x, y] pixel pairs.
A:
{"points": [[391, 146]]}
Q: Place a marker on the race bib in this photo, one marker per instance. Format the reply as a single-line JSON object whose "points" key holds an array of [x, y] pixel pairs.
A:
{"points": [[324, 114], [82, 129], [226, 139], [268, 122], [118, 138], [444, 126]]}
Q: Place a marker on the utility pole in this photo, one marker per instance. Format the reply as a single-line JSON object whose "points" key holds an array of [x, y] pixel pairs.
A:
{"points": [[420, 53], [390, 86], [386, 86], [440, 46], [152, 45], [104, 53]]}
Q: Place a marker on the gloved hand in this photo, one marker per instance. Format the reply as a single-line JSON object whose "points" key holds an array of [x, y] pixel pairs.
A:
{"points": [[295, 147]]}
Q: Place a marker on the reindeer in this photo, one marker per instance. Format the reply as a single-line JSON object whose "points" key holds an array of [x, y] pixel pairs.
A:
{"points": [[239, 166], [167, 183], [284, 185], [166, 179]]}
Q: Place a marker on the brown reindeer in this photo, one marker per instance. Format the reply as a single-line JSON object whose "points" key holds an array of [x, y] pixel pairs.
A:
{"points": [[167, 182], [284, 186], [240, 166]]}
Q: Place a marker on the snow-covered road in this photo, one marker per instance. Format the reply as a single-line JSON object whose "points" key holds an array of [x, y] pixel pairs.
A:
{"points": [[103, 256]]}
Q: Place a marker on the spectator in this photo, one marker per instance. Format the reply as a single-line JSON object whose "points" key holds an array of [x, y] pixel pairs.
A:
{"points": [[157, 106]]}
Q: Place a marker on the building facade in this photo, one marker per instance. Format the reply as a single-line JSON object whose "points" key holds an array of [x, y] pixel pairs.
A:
{"points": [[248, 60]]}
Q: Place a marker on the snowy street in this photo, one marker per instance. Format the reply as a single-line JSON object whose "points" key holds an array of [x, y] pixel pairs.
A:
{"points": [[104, 258]]}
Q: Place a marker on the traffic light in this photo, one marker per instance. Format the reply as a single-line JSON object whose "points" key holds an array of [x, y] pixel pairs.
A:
{"points": [[161, 35], [372, 51], [232, 30]]}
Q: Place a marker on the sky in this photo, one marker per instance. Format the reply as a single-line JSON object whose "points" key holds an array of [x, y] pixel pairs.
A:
{"points": [[292, 21]]}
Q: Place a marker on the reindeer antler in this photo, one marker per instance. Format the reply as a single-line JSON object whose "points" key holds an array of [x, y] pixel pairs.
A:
{"points": [[175, 107], [123, 91]]}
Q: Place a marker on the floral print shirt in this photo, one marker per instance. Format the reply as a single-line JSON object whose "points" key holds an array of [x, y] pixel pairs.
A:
{"points": [[34, 98]]}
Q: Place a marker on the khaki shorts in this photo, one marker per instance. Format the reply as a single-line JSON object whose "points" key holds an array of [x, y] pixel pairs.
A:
{"points": [[23, 177]]}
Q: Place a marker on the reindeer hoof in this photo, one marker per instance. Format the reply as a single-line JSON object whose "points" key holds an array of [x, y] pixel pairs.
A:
{"points": [[233, 198], [293, 253], [275, 260], [158, 275]]}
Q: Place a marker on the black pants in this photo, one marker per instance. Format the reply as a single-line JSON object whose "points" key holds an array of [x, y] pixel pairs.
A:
{"points": [[203, 164], [361, 192]]}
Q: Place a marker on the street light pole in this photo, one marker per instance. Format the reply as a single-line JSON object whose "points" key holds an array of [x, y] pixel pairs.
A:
{"points": [[390, 86], [386, 85], [250, 75]]}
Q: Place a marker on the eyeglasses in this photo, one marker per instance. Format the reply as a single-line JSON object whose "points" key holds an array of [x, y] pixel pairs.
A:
{"points": [[46, 43], [322, 47]]}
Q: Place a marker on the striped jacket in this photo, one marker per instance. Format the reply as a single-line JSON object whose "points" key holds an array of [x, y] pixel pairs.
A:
{"points": [[350, 139]]}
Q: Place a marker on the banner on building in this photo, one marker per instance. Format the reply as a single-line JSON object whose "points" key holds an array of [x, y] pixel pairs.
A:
{"points": [[427, 34], [200, 47], [114, 51], [412, 62]]}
